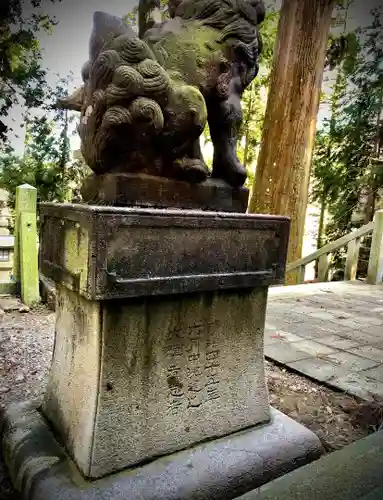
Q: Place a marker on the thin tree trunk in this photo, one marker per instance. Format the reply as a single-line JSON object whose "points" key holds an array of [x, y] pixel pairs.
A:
{"points": [[323, 205], [247, 131], [283, 170], [371, 201], [334, 104], [321, 220], [322, 212]]}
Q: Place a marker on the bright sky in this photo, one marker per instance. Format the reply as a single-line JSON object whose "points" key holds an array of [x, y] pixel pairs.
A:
{"points": [[67, 48]]}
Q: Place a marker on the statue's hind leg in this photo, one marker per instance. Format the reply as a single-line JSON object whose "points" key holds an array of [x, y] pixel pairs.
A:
{"points": [[224, 119]]}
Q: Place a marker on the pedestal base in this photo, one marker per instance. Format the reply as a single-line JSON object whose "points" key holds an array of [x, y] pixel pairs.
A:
{"points": [[220, 469], [132, 190], [135, 379]]}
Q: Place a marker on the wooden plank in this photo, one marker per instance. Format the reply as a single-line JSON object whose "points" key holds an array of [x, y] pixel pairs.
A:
{"points": [[351, 267], [323, 267], [301, 275], [331, 247]]}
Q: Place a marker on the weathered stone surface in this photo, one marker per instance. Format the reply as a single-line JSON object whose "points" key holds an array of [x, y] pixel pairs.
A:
{"points": [[72, 393], [108, 252], [48, 292], [172, 371], [26, 251], [318, 369], [286, 353], [353, 473], [375, 373], [356, 361], [362, 385], [219, 469], [9, 304], [338, 342], [274, 335], [159, 192], [369, 352], [350, 361], [313, 349]]}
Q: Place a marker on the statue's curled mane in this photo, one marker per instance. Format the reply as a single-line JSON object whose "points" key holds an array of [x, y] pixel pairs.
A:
{"points": [[236, 20]]}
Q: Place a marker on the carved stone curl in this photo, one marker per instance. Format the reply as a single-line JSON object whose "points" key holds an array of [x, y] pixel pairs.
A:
{"points": [[145, 102]]}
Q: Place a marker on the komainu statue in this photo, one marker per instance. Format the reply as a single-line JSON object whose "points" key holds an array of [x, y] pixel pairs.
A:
{"points": [[146, 99]]}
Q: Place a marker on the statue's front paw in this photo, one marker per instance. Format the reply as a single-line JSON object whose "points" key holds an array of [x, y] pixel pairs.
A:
{"points": [[190, 170], [230, 170]]}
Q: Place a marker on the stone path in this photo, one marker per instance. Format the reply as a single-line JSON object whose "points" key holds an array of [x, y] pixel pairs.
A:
{"points": [[332, 332]]}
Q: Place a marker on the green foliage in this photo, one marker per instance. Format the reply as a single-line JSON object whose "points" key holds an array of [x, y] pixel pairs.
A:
{"points": [[22, 77], [340, 43], [132, 17], [46, 161], [351, 137]]}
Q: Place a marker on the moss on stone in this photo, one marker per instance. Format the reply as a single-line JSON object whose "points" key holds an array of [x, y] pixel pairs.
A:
{"points": [[188, 51], [76, 253], [186, 100]]}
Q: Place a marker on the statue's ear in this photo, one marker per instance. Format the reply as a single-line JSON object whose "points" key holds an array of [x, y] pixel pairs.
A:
{"points": [[105, 28]]}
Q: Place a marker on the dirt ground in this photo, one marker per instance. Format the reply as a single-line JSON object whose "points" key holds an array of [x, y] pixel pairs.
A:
{"points": [[26, 342]]}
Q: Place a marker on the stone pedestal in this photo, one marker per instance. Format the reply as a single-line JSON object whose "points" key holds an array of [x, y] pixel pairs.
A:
{"points": [[138, 378], [159, 331], [140, 190], [159, 348]]}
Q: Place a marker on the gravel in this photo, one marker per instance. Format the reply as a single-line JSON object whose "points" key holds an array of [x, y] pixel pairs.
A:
{"points": [[336, 418], [26, 343]]}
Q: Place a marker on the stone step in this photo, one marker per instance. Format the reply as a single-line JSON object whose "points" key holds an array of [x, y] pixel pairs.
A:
{"points": [[352, 473]]}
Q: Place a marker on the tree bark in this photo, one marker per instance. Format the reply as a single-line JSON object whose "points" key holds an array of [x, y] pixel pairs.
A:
{"points": [[283, 170]]}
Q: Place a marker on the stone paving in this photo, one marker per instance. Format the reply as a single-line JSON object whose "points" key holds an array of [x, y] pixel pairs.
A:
{"points": [[331, 332]]}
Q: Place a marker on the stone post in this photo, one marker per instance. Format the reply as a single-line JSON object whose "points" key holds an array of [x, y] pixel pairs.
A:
{"points": [[26, 251], [375, 264]]}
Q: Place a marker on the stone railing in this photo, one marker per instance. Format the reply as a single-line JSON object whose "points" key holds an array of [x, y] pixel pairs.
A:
{"points": [[352, 241]]}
